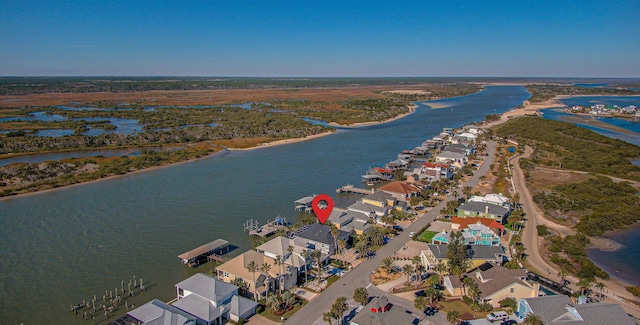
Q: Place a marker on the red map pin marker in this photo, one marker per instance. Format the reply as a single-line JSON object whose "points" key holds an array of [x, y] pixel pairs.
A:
{"points": [[322, 212]]}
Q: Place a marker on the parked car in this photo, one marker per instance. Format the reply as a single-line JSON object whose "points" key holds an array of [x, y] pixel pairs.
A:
{"points": [[509, 322], [398, 228], [419, 294], [497, 315], [412, 233]]}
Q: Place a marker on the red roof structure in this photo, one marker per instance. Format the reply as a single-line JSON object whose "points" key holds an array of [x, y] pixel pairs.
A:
{"points": [[465, 222]]}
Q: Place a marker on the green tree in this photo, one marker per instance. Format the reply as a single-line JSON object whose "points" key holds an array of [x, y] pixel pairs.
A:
{"points": [[433, 294], [532, 319], [327, 317], [421, 303], [408, 271], [317, 255], [453, 317], [266, 267], [509, 303], [361, 296], [387, 264], [457, 254], [339, 307], [252, 267], [335, 232]]}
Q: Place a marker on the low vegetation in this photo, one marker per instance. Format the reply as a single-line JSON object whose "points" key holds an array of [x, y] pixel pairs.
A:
{"points": [[544, 92]]}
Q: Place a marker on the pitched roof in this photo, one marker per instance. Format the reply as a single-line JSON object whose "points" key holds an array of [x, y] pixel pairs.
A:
{"points": [[207, 287], [559, 310], [241, 305], [399, 187], [158, 312], [319, 233], [474, 252], [395, 315], [435, 165], [493, 278], [200, 307], [380, 197], [482, 207], [238, 265], [367, 208], [465, 222]]}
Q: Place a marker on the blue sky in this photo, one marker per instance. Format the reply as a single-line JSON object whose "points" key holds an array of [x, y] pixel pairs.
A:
{"points": [[320, 38]]}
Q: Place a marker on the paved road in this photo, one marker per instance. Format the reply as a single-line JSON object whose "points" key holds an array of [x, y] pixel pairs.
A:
{"points": [[360, 276]]}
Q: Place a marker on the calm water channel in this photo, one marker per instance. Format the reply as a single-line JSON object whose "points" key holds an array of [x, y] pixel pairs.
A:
{"points": [[60, 247]]}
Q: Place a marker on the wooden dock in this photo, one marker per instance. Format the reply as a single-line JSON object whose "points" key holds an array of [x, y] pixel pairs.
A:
{"points": [[270, 228], [349, 188]]}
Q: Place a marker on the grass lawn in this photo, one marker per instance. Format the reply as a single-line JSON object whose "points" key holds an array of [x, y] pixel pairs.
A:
{"points": [[266, 313], [460, 307], [425, 236]]}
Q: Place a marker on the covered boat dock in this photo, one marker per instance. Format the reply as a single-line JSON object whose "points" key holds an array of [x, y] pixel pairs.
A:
{"points": [[204, 253]]}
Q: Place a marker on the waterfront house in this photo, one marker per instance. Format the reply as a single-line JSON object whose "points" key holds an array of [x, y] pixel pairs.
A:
{"points": [[495, 283], [452, 158], [400, 190], [380, 199], [398, 164], [473, 234], [463, 223], [318, 237], [380, 312], [477, 254], [292, 257], [483, 210], [349, 221], [559, 310], [440, 170], [212, 301], [237, 268], [460, 148], [497, 199], [157, 312]]}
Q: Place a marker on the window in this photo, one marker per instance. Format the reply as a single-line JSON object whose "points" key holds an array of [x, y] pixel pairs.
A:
{"points": [[180, 292], [511, 290]]}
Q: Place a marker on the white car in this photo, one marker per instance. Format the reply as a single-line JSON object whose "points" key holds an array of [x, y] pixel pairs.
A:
{"points": [[412, 233]]}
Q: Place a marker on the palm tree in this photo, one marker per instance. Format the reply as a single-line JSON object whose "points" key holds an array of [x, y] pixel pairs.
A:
{"points": [[266, 267], [361, 296], [288, 298], [467, 283], [584, 284], [433, 293], [408, 271], [387, 264], [339, 307], [327, 317], [453, 317], [420, 303], [520, 252], [306, 254], [375, 236], [335, 232], [252, 267], [440, 268], [273, 302], [531, 319], [317, 255], [278, 263], [342, 245]]}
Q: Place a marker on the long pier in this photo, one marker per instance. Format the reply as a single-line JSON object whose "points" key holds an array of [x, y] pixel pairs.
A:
{"points": [[269, 228], [349, 188]]}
